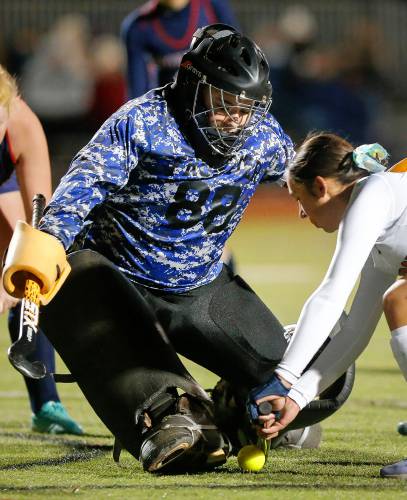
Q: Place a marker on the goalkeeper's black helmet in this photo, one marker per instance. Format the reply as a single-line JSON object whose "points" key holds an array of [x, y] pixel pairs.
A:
{"points": [[224, 62]]}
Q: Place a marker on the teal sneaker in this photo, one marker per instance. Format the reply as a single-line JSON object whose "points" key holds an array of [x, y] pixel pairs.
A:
{"points": [[54, 419]]}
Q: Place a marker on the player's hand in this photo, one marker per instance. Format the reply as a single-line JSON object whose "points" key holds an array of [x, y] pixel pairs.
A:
{"points": [[6, 300], [271, 389], [403, 268], [36, 254], [277, 404], [271, 427]]}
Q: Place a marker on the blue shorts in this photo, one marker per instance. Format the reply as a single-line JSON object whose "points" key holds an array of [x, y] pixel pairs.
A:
{"points": [[11, 184]]}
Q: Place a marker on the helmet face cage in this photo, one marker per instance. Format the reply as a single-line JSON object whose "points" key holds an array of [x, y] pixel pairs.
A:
{"points": [[225, 119]]}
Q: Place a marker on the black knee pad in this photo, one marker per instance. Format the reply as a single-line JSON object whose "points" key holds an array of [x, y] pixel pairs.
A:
{"points": [[253, 333]]}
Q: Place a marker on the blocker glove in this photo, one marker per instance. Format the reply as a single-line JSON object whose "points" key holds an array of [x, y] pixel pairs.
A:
{"points": [[38, 255], [273, 387]]}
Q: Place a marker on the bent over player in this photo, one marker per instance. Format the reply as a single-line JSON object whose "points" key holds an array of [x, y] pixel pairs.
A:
{"points": [[144, 212], [348, 189], [25, 170]]}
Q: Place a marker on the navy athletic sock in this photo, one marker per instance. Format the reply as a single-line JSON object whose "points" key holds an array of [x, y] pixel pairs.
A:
{"points": [[43, 390]]}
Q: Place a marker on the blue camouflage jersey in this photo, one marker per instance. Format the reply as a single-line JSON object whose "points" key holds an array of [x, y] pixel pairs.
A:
{"points": [[138, 195]]}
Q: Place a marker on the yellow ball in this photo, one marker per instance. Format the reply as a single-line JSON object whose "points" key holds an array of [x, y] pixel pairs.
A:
{"points": [[251, 458]]}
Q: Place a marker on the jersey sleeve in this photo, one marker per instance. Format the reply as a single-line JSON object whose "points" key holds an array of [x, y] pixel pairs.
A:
{"points": [[102, 167], [137, 59], [367, 215], [350, 341], [282, 152], [224, 13]]}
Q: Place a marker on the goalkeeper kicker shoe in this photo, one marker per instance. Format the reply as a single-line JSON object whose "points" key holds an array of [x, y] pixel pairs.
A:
{"points": [[396, 471], [185, 441], [54, 419]]}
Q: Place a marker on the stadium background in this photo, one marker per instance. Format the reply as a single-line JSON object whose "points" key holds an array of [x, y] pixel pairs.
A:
{"points": [[357, 46], [347, 58]]}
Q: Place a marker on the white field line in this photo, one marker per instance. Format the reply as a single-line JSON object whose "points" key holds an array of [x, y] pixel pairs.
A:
{"points": [[276, 273], [24, 395], [13, 394]]}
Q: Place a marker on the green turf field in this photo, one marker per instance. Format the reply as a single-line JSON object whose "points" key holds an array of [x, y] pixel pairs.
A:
{"points": [[283, 262]]}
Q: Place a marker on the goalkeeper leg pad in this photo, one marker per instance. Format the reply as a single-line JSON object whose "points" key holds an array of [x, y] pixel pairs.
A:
{"points": [[108, 337]]}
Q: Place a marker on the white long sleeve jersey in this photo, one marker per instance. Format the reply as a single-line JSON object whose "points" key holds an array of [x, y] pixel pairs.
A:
{"points": [[372, 240]]}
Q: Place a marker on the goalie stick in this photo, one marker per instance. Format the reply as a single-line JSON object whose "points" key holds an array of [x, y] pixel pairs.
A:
{"points": [[28, 329]]}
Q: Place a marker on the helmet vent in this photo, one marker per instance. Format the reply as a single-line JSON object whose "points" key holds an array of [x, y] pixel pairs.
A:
{"points": [[246, 56], [234, 41]]}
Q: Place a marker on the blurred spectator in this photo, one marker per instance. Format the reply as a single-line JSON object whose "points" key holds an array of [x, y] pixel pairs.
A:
{"points": [[364, 55], [159, 32], [328, 103], [364, 58], [309, 87], [109, 65], [286, 41], [57, 81], [20, 49]]}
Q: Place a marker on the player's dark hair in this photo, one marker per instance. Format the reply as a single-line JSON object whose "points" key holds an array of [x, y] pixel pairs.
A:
{"points": [[326, 155]]}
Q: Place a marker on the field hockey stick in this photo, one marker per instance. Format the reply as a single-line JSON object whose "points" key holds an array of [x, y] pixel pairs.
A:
{"points": [[28, 328]]}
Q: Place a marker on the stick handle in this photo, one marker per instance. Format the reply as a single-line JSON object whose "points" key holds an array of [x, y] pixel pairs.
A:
{"points": [[38, 209], [265, 408], [32, 288]]}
